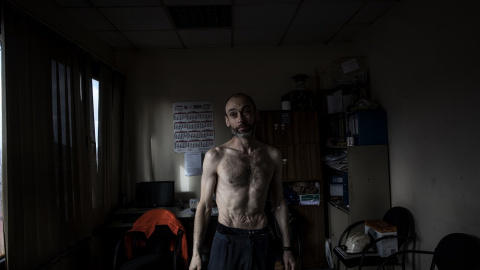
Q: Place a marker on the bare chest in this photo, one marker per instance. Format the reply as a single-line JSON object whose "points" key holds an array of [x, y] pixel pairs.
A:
{"points": [[241, 170]]}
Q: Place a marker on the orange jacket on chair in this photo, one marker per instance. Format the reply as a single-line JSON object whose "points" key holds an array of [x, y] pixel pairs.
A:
{"points": [[146, 223]]}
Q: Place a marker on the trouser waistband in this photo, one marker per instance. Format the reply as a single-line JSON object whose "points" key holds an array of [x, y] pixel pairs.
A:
{"points": [[236, 231]]}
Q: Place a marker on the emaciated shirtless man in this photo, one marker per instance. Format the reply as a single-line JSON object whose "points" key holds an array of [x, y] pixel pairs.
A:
{"points": [[241, 173]]}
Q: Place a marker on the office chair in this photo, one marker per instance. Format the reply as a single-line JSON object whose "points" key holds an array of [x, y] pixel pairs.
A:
{"points": [[156, 240], [454, 251], [398, 216]]}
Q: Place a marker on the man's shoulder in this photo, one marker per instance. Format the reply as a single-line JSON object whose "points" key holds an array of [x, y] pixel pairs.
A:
{"points": [[269, 148], [214, 156], [217, 152]]}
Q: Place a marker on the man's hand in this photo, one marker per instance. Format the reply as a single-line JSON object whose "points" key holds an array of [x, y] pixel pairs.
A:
{"points": [[288, 260], [196, 263]]}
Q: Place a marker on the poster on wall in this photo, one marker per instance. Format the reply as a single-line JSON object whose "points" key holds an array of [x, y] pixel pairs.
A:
{"points": [[193, 126], [193, 163]]}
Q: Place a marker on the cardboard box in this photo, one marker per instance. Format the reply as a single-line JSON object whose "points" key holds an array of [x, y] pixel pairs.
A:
{"points": [[378, 228]]}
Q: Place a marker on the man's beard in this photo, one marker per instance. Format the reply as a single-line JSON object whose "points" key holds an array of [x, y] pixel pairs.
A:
{"points": [[246, 134]]}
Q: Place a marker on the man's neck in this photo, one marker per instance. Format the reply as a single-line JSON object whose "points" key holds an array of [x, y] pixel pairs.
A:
{"points": [[246, 145]]}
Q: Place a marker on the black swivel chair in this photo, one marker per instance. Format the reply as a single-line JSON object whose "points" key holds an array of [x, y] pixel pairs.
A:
{"points": [[154, 254], [163, 249], [398, 216], [454, 251]]}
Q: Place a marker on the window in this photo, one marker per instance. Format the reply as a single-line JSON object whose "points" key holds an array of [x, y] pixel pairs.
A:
{"points": [[2, 237], [93, 106], [95, 93], [59, 190]]}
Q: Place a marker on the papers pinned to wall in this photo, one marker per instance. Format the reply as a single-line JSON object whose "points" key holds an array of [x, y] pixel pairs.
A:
{"points": [[193, 126], [193, 163]]}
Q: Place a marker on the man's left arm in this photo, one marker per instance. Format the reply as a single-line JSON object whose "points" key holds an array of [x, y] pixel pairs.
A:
{"points": [[280, 210]]}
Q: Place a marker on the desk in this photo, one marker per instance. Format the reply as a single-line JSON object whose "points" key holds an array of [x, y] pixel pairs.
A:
{"points": [[122, 220]]}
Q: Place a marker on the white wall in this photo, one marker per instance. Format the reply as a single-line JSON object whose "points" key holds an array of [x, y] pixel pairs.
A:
{"points": [[424, 62], [156, 79]]}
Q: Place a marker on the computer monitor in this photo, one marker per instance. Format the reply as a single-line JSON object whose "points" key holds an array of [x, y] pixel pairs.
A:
{"points": [[155, 194]]}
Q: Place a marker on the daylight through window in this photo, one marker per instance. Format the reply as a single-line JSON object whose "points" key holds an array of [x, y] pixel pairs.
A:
{"points": [[2, 237], [95, 92]]}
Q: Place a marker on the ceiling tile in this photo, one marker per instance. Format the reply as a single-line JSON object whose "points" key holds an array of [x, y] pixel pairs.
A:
{"points": [[138, 18], [123, 3], [258, 36], [337, 1], [206, 38], [135, 24], [372, 11], [73, 3], [265, 1], [196, 2], [325, 13], [150, 39], [91, 18], [309, 35], [247, 16], [201, 16], [115, 39], [348, 32]]}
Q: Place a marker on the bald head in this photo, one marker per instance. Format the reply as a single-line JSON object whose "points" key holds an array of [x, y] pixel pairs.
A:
{"points": [[240, 95]]}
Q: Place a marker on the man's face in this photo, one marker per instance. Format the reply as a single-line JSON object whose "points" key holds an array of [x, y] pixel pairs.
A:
{"points": [[241, 116]]}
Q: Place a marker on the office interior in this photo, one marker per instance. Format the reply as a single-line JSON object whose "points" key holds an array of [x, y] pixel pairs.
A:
{"points": [[423, 67]]}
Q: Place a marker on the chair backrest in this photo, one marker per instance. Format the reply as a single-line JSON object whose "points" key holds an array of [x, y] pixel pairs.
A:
{"points": [[161, 239], [156, 234], [403, 219], [158, 243], [457, 251]]}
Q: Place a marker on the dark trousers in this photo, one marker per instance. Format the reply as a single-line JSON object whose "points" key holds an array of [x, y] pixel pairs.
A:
{"points": [[238, 249]]}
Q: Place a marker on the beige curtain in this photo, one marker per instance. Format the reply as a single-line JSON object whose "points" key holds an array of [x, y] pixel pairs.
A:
{"points": [[55, 194]]}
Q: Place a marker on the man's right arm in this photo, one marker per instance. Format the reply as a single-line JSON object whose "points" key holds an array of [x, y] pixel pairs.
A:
{"points": [[204, 207]]}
